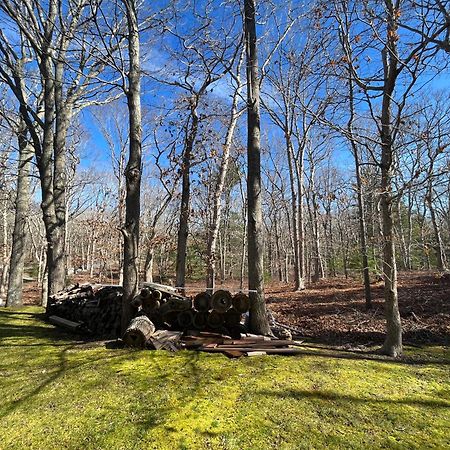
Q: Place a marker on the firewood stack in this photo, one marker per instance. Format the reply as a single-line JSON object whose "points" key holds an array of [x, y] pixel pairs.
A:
{"points": [[96, 309], [92, 308], [220, 312]]}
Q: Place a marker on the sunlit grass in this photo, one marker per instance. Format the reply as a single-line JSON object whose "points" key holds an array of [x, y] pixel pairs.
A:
{"points": [[57, 393]]}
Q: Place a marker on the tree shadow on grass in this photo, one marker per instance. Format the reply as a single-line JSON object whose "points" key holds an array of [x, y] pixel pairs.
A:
{"points": [[325, 352], [63, 366], [301, 394], [23, 328]]}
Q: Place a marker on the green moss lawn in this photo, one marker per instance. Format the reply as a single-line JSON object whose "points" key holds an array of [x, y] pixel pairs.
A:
{"points": [[56, 393]]}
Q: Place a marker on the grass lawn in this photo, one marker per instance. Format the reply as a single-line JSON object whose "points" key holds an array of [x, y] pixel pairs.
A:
{"points": [[57, 393]]}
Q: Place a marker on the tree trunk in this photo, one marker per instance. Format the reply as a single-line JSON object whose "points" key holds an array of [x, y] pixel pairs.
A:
{"points": [[130, 229], [301, 220], [148, 266], [393, 342], [45, 161], [258, 317], [279, 266], [183, 227], [295, 215], [360, 197], [441, 262], [16, 264]]}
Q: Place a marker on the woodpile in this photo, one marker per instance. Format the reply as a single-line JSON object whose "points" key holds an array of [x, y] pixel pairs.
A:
{"points": [[92, 308], [96, 309], [221, 312], [246, 345], [167, 320]]}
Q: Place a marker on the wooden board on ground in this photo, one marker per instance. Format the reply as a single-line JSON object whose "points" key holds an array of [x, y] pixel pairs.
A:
{"points": [[165, 340], [233, 353], [65, 323], [256, 353], [269, 351]]}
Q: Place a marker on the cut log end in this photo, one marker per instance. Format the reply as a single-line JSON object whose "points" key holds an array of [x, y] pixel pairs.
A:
{"points": [[138, 332]]}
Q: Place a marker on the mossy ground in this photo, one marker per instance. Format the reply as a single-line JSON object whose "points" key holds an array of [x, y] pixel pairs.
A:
{"points": [[58, 393]]}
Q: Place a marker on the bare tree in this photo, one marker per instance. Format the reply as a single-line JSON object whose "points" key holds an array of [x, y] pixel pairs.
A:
{"points": [[133, 169], [258, 318], [221, 177], [396, 60]]}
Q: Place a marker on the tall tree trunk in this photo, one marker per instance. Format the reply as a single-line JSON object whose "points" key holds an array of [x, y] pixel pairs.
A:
{"points": [[393, 342], [441, 262], [5, 256], [63, 116], [295, 215], [360, 198], [301, 215], [401, 235], [258, 317], [279, 265], [18, 251], [45, 161], [183, 227], [133, 169], [148, 266]]}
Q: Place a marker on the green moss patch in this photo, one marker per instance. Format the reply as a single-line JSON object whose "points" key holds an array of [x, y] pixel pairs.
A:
{"points": [[57, 393]]}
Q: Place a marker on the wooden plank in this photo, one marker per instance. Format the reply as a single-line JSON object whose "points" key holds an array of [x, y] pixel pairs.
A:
{"points": [[272, 351], [249, 336], [69, 324], [273, 342], [199, 342], [256, 353], [233, 353], [165, 340]]}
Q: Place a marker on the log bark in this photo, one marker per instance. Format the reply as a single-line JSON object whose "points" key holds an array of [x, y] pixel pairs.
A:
{"points": [[138, 332], [221, 301]]}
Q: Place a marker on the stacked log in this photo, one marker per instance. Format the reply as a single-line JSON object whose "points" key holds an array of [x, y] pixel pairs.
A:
{"points": [[221, 312], [96, 307]]}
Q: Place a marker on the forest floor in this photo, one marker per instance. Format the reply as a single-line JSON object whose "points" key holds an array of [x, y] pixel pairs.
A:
{"points": [[59, 392], [333, 311]]}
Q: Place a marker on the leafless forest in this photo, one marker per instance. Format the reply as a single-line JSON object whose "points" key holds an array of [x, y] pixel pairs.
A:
{"points": [[238, 143]]}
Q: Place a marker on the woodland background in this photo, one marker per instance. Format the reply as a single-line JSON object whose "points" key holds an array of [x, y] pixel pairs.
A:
{"points": [[354, 141]]}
